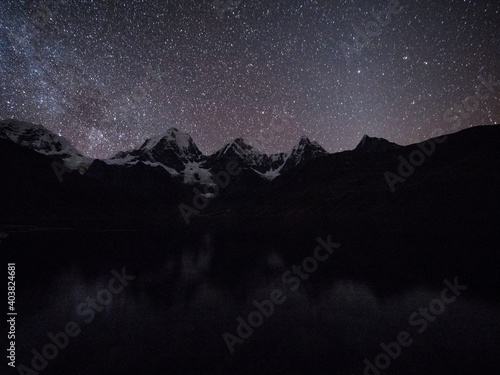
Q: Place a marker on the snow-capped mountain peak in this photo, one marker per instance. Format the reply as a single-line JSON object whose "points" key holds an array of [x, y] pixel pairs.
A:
{"points": [[304, 150], [34, 136], [173, 150], [304, 139], [305, 142], [238, 148], [40, 139], [172, 138]]}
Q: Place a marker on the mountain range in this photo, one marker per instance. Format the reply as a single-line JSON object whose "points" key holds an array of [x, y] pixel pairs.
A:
{"points": [[67, 217], [456, 183], [441, 218], [175, 151]]}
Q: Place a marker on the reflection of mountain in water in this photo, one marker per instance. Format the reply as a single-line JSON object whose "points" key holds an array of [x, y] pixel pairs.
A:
{"points": [[193, 282], [173, 314]]}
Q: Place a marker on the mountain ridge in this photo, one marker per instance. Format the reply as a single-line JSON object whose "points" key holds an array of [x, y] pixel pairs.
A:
{"points": [[40, 139], [173, 150], [460, 177], [375, 144]]}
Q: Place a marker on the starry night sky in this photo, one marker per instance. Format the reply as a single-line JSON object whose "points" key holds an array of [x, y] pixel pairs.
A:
{"points": [[107, 74]]}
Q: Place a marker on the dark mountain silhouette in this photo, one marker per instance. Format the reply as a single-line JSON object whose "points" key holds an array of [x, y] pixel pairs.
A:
{"points": [[450, 200], [69, 224], [372, 144], [460, 177]]}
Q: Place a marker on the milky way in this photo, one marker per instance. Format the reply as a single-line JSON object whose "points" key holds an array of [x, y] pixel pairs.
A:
{"points": [[108, 74]]}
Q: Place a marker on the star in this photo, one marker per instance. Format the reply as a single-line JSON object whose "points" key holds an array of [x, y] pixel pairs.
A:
{"points": [[108, 75]]}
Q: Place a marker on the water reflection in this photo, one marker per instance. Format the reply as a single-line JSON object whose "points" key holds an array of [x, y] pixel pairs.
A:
{"points": [[173, 315]]}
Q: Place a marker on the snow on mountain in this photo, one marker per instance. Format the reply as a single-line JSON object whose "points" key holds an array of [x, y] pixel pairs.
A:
{"points": [[242, 152], [179, 155], [304, 150], [239, 149], [38, 138], [175, 151], [175, 139], [268, 166], [372, 144]]}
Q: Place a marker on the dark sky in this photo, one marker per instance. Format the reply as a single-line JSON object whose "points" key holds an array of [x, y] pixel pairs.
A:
{"points": [[108, 74]]}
